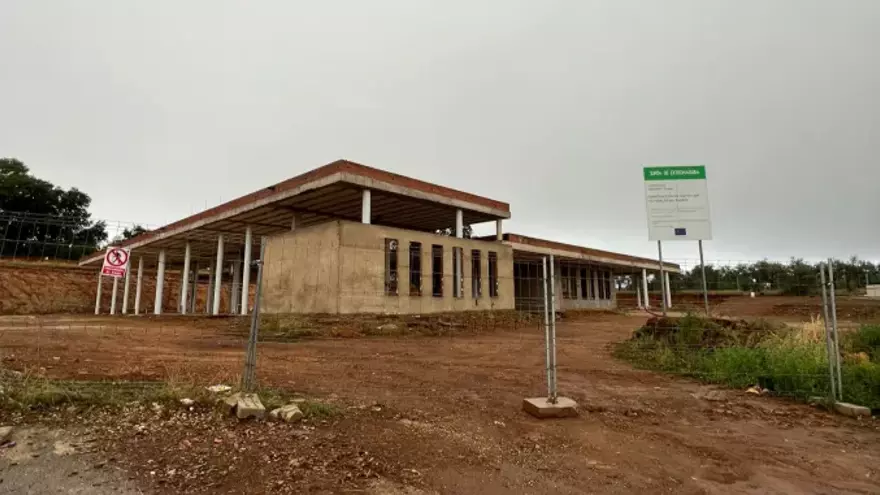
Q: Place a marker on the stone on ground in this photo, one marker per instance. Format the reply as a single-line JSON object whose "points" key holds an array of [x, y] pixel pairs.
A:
{"points": [[541, 407], [249, 406], [289, 413], [853, 410], [5, 434], [219, 389]]}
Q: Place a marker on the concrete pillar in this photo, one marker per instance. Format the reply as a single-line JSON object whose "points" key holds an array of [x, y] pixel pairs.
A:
{"points": [[209, 294], [645, 288], [499, 233], [98, 294], [635, 280], [138, 286], [295, 221], [246, 270], [459, 223], [594, 280], [235, 296], [160, 284], [365, 207], [195, 289], [113, 295], [184, 285], [125, 289], [218, 277], [668, 292]]}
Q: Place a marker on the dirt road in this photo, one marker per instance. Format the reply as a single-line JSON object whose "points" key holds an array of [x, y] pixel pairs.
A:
{"points": [[448, 416]]}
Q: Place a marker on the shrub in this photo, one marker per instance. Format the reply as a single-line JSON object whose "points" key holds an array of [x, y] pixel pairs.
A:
{"points": [[866, 339]]}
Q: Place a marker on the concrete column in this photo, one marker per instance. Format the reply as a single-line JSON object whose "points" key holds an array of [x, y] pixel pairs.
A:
{"points": [[668, 292], [218, 277], [645, 288], [113, 295], [499, 233], [236, 287], [246, 270], [365, 207], [160, 284], [138, 286], [98, 294], [184, 285], [125, 289], [195, 289], [459, 223], [635, 280], [295, 221], [209, 294], [594, 280]]}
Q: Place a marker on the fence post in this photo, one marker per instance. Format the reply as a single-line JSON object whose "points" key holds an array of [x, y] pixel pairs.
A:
{"points": [[250, 364], [829, 344], [547, 327], [552, 398], [834, 335]]}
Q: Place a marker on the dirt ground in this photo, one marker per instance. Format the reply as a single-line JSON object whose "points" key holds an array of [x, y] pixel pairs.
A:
{"points": [[443, 415]]}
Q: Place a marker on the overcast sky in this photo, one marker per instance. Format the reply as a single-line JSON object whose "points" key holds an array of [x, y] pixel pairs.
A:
{"points": [[158, 109]]}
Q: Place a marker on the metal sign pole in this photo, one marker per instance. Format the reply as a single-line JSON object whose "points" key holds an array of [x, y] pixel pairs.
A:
{"points": [[705, 285], [834, 329], [663, 287], [552, 332], [829, 345]]}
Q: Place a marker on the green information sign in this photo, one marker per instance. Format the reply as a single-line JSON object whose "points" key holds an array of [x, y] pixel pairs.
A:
{"points": [[687, 172]]}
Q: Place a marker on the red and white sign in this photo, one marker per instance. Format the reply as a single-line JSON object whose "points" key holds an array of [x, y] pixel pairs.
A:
{"points": [[115, 262]]}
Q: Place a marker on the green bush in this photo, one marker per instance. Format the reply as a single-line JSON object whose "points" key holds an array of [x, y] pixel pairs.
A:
{"points": [[866, 339], [861, 384]]}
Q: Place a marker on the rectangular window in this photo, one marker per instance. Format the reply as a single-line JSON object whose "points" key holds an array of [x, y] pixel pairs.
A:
{"points": [[566, 292], [607, 285], [415, 268], [391, 267], [476, 278], [585, 291], [437, 270], [457, 279], [493, 274]]}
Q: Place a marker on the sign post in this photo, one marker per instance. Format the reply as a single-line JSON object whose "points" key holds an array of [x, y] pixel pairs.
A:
{"points": [[677, 201], [116, 262]]}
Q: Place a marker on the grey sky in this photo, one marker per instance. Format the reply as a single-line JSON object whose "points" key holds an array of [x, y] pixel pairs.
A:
{"points": [[160, 108]]}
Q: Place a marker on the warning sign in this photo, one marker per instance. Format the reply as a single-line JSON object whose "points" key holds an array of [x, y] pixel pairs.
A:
{"points": [[115, 262]]}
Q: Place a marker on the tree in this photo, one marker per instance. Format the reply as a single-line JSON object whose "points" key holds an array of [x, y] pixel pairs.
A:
{"points": [[466, 232], [130, 233], [41, 219]]}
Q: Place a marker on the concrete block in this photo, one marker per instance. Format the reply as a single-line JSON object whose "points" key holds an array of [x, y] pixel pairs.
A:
{"points": [[249, 406], [289, 413], [541, 407], [853, 410]]}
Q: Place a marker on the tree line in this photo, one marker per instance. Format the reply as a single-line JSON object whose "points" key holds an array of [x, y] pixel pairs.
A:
{"points": [[40, 219], [796, 277]]}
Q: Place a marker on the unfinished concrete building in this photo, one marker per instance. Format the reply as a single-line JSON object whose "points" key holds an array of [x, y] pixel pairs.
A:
{"points": [[346, 238]]}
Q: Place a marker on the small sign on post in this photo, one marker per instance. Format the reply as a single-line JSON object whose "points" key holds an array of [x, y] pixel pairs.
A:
{"points": [[116, 261]]}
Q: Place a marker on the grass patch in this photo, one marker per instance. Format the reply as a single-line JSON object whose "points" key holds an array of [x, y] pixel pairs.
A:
{"points": [[318, 410], [788, 361]]}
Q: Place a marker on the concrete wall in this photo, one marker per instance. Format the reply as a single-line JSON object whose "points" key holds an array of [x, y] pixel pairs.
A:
{"points": [[339, 267], [301, 271], [362, 272]]}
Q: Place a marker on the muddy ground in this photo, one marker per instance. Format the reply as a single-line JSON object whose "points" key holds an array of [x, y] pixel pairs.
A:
{"points": [[442, 415]]}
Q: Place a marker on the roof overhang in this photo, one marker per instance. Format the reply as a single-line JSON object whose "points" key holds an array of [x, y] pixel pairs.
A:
{"points": [[541, 247], [332, 192]]}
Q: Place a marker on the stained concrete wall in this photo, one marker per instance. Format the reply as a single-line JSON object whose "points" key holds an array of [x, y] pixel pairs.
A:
{"points": [[301, 271], [339, 267]]}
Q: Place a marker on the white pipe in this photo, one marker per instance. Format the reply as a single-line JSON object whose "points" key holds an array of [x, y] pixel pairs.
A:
{"points": [[668, 292], [98, 294], [113, 295], [138, 286], [218, 276], [246, 270], [365, 206], [184, 285], [125, 289], [160, 284], [645, 288], [459, 223]]}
